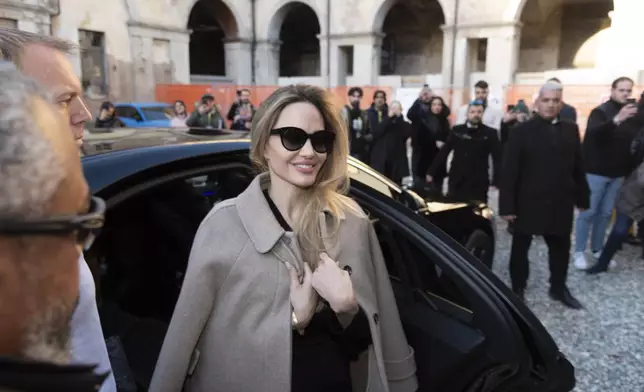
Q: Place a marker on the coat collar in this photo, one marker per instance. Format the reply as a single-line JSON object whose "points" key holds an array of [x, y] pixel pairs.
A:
{"points": [[259, 222], [257, 217]]}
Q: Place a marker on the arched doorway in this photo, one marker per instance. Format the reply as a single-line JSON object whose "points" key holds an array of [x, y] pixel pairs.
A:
{"points": [[211, 22], [561, 34], [299, 28], [413, 40]]}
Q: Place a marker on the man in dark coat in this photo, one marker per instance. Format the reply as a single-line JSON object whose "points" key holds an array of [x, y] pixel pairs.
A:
{"points": [[389, 151], [473, 143], [356, 120], [542, 181], [377, 116]]}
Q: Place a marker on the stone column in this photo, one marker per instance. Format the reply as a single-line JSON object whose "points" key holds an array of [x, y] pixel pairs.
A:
{"points": [[456, 49], [267, 62], [239, 60], [180, 52], [502, 57], [324, 64], [366, 56]]}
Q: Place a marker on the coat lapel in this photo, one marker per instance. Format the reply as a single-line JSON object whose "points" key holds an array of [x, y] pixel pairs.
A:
{"points": [[256, 215]]}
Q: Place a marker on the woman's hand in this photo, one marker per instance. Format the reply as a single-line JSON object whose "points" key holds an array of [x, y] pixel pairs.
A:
{"points": [[303, 296], [334, 285]]}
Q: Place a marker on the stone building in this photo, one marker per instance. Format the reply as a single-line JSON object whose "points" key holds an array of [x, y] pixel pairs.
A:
{"points": [[127, 46]]}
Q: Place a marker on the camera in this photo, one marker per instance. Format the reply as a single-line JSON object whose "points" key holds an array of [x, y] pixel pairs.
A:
{"points": [[631, 101]]}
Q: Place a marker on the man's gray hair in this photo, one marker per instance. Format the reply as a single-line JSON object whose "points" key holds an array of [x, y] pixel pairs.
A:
{"points": [[30, 168], [551, 87], [13, 42]]}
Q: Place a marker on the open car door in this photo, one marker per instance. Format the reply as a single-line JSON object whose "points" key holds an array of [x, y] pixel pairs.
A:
{"points": [[462, 330]]}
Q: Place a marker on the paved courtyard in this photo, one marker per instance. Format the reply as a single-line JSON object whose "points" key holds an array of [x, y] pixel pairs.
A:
{"points": [[605, 342]]}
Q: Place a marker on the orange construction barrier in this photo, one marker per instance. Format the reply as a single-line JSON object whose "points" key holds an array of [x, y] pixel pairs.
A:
{"points": [[583, 98]]}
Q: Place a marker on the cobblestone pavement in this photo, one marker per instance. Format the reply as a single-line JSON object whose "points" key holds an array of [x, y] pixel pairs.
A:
{"points": [[605, 342]]}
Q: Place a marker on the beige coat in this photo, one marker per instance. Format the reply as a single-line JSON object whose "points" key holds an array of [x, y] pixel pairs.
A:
{"points": [[231, 329]]}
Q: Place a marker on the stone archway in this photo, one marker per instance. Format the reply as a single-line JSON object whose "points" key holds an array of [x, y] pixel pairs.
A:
{"points": [[413, 39], [296, 27], [212, 23], [554, 33]]}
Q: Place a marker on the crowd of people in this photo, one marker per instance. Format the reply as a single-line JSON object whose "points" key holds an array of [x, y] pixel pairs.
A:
{"points": [[539, 163]]}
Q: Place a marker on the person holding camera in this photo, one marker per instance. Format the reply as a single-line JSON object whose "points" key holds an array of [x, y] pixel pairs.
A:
{"points": [[607, 160], [107, 117], [207, 115], [389, 151], [629, 206]]}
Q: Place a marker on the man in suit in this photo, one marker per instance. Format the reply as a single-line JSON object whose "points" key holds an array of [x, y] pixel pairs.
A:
{"points": [[473, 144], [539, 194]]}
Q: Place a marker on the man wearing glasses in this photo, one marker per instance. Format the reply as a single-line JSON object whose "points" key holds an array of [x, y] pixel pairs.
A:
{"points": [[46, 219], [43, 58]]}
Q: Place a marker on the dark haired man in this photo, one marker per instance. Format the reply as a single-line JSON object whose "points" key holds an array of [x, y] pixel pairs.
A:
{"points": [[607, 161], [492, 116], [473, 144], [377, 115], [241, 112], [356, 120]]}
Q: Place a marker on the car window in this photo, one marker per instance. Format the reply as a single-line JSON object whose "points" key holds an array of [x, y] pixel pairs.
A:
{"points": [[156, 112], [425, 273], [128, 112]]}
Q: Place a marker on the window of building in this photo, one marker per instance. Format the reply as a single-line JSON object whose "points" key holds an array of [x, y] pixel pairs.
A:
{"points": [[92, 52], [8, 23]]}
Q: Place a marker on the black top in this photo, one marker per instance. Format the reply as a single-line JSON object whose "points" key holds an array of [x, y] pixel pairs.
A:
{"points": [[31, 376], [606, 145], [321, 356]]}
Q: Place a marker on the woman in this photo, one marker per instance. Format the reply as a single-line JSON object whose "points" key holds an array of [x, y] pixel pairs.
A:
{"points": [[431, 133], [389, 151], [286, 284], [180, 115]]}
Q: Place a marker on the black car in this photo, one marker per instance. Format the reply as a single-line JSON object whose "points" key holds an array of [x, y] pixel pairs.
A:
{"points": [[469, 332]]}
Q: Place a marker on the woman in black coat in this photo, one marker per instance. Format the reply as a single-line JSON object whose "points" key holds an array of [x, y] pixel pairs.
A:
{"points": [[431, 129], [389, 151]]}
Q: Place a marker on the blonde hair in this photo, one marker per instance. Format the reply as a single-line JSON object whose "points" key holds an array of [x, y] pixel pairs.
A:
{"points": [[332, 182]]}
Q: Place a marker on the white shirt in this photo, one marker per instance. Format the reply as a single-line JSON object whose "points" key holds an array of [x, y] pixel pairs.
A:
{"points": [[88, 343]]}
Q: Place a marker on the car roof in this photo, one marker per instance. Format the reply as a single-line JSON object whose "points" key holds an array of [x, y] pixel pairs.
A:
{"points": [[105, 169]]}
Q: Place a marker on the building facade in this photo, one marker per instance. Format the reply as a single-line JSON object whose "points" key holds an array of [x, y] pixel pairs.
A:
{"points": [[128, 46]]}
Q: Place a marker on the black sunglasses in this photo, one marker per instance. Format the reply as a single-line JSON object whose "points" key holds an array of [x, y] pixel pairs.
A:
{"points": [[294, 139], [85, 226]]}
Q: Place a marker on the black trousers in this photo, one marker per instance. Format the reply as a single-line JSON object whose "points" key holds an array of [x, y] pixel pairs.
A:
{"points": [[558, 260]]}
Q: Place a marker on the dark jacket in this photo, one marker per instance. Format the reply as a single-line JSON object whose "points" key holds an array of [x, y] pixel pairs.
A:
{"points": [[241, 123], [606, 145], [469, 177], [375, 126], [359, 136], [29, 376], [389, 151], [630, 199], [428, 128], [112, 122], [568, 113], [211, 119], [543, 178]]}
